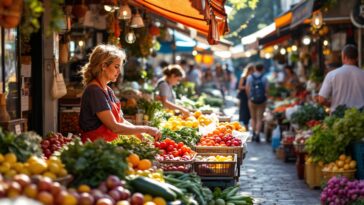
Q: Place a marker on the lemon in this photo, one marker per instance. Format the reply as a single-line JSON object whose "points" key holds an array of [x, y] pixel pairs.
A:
{"points": [[5, 167], [53, 167], [37, 166], [10, 173], [10, 157], [148, 198], [50, 175], [18, 166], [62, 172]]}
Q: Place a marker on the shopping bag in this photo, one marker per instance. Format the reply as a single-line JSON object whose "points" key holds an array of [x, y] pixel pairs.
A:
{"points": [[59, 88]]}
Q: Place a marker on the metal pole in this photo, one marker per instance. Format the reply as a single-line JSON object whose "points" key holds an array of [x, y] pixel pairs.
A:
{"points": [[174, 48]]}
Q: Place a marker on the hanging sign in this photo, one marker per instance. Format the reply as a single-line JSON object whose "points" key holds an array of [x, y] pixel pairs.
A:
{"points": [[357, 14], [301, 12]]}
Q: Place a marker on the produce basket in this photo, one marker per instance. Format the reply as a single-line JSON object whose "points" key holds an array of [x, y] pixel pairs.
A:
{"points": [[239, 151], [215, 169], [299, 148], [350, 174], [173, 165], [313, 175]]}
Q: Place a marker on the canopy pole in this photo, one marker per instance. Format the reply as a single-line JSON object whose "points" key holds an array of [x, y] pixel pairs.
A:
{"points": [[174, 47]]}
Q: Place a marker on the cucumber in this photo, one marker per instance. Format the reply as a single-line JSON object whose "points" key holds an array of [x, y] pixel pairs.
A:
{"points": [[177, 191], [152, 187], [232, 193], [237, 198]]}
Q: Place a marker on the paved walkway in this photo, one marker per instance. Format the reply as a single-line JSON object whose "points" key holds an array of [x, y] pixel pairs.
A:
{"points": [[267, 179], [270, 181]]}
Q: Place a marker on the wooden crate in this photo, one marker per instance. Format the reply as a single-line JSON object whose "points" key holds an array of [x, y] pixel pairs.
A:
{"points": [[167, 165], [215, 169], [239, 151], [17, 125]]}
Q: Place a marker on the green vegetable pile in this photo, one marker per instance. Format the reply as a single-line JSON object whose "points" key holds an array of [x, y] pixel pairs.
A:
{"points": [[149, 107], [331, 139], [189, 136], [230, 196], [92, 162], [23, 145], [191, 186], [144, 149], [306, 113]]}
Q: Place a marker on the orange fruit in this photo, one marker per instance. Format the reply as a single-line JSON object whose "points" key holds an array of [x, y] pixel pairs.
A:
{"points": [[84, 188], [133, 159], [159, 201], [197, 114], [144, 164]]}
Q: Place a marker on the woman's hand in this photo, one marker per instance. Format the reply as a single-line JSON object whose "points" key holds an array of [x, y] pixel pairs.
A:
{"points": [[154, 132], [185, 112]]}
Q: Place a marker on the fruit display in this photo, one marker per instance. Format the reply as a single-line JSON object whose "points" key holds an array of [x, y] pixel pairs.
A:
{"points": [[53, 142], [92, 162], [342, 191], [215, 164], [194, 121], [52, 168], [23, 145], [143, 167], [144, 149], [307, 113], [170, 150], [344, 163], [219, 140], [217, 158], [112, 191], [189, 136]]}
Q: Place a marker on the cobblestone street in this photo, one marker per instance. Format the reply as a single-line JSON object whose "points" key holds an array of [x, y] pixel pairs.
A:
{"points": [[270, 181]]}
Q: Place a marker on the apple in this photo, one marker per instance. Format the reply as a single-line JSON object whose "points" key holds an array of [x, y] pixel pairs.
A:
{"points": [[104, 201], [86, 199], [56, 188], [45, 184], [137, 199], [115, 194], [97, 194], [112, 181], [124, 194], [22, 179], [102, 187]]}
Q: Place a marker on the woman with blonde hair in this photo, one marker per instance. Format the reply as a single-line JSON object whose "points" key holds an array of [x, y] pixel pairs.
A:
{"points": [[173, 74], [100, 115], [244, 114]]}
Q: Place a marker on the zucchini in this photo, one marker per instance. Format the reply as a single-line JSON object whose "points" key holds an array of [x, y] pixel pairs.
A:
{"points": [[152, 187], [175, 189]]}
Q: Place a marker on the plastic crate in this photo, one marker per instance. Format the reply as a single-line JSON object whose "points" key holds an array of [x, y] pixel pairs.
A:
{"points": [[358, 155], [239, 151], [173, 165], [215, 169]]}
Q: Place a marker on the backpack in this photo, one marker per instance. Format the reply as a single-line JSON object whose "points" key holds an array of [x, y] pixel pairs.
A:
{"points": [[257, 90]]}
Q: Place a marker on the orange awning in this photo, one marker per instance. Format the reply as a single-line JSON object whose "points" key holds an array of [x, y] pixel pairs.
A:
{"points": [[283, 20], [193, 15]]}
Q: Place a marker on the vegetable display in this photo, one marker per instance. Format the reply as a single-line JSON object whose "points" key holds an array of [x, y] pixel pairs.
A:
{"points": [[230, 196], [341, 191], [307, 113], [23, 145], [144, 149], [170, 150], [93, 162], [53, 142], [189, 136]]}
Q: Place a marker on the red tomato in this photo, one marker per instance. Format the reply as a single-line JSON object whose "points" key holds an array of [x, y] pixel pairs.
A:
{"points": [[170, 148], [168, 141], [180, 144], [175, 153], [157, 144], [162, 145]]}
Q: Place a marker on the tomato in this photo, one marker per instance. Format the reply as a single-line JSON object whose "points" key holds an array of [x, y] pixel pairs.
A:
{"points": [[175, 153], [180, 144], [168, 141], [162, 145], [170, 148], [157, 144]]}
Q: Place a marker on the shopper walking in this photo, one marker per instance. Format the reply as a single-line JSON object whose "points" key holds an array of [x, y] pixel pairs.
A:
{"points": [[257, 88], [244, 114], [345, 85], [173, 74], [100, 115]]}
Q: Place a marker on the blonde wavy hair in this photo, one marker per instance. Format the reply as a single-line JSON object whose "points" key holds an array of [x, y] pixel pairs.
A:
{"points": [[101, 55]]}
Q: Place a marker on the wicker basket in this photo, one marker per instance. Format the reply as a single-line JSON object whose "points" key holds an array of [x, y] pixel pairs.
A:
{"points": [[327, 175], [215, 169]]}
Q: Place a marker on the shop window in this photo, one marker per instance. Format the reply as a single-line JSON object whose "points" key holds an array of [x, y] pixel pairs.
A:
{"points": [[9, 70]]}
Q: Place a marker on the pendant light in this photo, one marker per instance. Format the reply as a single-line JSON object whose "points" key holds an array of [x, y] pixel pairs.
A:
{"points": [[130, 37], [125, 11], [137, 21]]}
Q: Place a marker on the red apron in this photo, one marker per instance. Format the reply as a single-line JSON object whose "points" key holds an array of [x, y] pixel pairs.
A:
{"points": [[103, 132]]}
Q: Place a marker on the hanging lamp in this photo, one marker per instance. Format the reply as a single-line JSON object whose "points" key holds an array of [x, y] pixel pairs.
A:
{"points": [[125, 11], [137, 21]]}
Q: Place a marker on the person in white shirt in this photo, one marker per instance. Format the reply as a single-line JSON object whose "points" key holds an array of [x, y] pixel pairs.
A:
{"points": [[345, 85]]}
